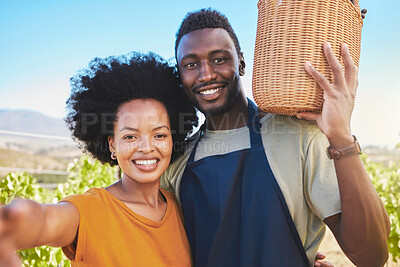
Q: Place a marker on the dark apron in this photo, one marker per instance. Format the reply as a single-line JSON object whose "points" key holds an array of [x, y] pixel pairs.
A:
{"points": [[234, 210]]}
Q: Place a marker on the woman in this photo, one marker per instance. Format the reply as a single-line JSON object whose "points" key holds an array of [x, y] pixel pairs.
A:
{"points": [[123, 111]]}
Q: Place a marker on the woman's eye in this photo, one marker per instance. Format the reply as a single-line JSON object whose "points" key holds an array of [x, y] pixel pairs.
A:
{"points": [[160, 136], [129, 137]]}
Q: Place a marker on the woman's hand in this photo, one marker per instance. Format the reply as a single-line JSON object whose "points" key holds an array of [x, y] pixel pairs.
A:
{"points": [[8, 257], [10, 219]]}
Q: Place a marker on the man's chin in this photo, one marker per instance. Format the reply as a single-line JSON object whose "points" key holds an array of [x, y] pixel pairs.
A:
{"points": [[214, 110], [217, 107]]}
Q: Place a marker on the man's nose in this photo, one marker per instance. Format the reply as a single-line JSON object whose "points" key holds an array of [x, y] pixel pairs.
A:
{"points": [[207, 72]]}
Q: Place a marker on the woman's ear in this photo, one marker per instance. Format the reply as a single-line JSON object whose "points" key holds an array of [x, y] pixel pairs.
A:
{"points": [[111, 146]]}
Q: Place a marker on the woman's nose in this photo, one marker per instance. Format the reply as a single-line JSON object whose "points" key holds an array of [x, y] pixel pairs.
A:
{"points": [[146, 145]]}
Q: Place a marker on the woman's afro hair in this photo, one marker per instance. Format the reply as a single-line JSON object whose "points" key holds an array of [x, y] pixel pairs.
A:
{"points": [[98, 91], [203, 19]]}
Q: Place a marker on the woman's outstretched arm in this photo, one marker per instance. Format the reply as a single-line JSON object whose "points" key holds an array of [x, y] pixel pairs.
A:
{"points": [[26, 223]]}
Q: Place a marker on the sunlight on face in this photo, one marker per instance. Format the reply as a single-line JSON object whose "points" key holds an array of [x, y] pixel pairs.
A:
{"points": [[142, 140]]}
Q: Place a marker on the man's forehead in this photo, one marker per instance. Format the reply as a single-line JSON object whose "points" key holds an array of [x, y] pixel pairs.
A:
{"points": [[208, 39]]}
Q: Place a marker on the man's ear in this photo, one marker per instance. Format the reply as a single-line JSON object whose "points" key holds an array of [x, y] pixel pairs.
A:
{"points": [[242, 64], [177, 69]]}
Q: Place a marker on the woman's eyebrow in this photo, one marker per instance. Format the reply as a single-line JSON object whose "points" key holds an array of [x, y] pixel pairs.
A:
{"points": [[128, 128], [137, 130], [160, 127]]}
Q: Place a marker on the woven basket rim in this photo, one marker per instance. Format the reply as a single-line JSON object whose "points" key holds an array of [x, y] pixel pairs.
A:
{"points": [[355, 6]]}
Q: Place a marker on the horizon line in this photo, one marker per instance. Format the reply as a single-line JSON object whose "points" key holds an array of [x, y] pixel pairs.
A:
{"points": [[36, 135]]}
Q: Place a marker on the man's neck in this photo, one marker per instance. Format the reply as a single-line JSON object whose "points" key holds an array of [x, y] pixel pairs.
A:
{"points": [[235, 117]]}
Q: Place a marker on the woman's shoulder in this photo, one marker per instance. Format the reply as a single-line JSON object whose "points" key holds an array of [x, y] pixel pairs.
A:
{"points": [[92, 197]]}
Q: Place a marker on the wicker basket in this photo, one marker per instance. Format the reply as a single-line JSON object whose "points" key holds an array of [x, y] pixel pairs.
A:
{"points": [[291, 32]]}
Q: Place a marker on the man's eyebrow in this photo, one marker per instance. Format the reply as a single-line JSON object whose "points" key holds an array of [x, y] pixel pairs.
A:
{"points": [[219, 51], [188, 56], [192, 55]]}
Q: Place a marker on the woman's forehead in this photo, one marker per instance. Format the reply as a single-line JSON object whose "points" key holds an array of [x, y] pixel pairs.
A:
{"points": [[142, 112]]}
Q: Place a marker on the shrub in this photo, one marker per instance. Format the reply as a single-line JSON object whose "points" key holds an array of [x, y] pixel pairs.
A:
{"points": [[85, 173], [386, 180]]}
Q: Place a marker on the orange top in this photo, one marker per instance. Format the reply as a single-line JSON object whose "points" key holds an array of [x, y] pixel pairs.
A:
{"points": [[110, 234]]}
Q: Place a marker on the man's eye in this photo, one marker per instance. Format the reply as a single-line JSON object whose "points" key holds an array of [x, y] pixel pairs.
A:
{"points": [[219, 60], [129, 137], [190, 65]]}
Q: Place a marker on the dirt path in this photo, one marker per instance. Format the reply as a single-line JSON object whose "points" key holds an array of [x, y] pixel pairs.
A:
{"points": [[333, 253]]}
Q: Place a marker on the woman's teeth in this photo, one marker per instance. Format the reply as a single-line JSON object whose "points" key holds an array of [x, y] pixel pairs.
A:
{"points": [[210, 91], [146, 162]]}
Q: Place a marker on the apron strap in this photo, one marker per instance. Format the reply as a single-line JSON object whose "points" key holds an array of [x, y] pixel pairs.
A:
{"points": [[253, 123], [202, 130], [254, 126]]}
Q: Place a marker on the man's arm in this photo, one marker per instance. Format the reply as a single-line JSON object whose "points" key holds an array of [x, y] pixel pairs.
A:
{"points": [[363, 227]]}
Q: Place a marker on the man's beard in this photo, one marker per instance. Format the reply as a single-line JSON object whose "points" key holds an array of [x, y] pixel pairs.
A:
{"points": [[231, 99]]}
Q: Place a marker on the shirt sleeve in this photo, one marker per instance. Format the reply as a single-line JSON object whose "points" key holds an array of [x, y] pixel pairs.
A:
{"points": [[321, 186], [165, 182], [88, 206]]}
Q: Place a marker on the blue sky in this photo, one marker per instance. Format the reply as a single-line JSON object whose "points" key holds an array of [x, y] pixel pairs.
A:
{"points": [[44, 43]]}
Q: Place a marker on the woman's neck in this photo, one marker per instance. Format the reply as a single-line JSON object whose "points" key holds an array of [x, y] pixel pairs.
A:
{"points": [[131, 191]]}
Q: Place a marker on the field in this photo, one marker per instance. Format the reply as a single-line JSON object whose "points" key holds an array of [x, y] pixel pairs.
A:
{"points": [[329, 246], [46, 159], [334, 254], [37, 154]]}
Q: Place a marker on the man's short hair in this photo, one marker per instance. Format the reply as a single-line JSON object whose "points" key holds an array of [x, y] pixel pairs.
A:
{"points": [[203, 19]]}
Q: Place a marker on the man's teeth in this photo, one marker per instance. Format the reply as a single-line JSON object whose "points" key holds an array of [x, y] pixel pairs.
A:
{"points": [[209, 91], [146, 162]]}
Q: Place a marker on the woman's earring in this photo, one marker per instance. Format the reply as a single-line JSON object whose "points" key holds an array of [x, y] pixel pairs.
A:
{"points": [[113, 156]]}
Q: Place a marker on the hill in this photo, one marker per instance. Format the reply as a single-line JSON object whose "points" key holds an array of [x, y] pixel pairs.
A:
{"points": [[32, 122], [32, 141]]}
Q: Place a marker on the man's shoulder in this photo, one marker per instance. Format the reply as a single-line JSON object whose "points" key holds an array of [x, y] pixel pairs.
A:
{"points": [[290, 120], [172, 174], [287, 125]]}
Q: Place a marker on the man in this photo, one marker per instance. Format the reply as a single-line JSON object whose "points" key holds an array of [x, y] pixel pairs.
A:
{"points": [[256, 188]]}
